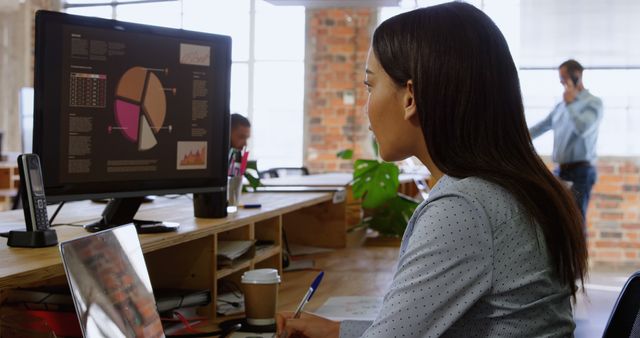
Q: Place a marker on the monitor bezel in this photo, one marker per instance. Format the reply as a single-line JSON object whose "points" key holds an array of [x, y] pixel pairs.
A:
{"points": [[48, 54]]}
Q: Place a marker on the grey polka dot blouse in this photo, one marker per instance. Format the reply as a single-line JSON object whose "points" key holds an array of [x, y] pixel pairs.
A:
{"points": [[471, 265]]}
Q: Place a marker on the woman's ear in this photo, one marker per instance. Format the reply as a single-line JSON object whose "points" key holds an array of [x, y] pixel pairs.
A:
{"points": [[409, 101]]}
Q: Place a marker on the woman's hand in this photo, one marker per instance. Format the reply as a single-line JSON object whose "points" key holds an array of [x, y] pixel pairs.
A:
{"points": [[308, 325]]}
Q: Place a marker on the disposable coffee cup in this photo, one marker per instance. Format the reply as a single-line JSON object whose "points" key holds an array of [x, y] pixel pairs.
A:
{"points": [[260, 289]]}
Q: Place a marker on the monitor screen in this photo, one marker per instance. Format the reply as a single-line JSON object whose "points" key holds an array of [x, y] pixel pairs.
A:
{"points": [[124, 110]]}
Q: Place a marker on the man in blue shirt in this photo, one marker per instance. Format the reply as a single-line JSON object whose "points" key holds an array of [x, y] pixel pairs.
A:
{"points": [[575, 123]]}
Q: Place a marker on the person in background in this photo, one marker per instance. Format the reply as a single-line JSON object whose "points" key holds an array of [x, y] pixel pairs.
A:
{"points": [[495, 250], [575, 123], [240, 131]]}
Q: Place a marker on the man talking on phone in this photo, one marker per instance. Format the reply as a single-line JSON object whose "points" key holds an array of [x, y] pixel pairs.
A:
{"points": [[575, 123]]}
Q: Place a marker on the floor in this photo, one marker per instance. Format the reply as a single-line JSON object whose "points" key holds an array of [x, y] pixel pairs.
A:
{"points": [[368, 271]]}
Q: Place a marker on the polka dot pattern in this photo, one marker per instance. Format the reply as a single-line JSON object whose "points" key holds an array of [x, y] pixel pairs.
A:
{"points": [[471, 264]]}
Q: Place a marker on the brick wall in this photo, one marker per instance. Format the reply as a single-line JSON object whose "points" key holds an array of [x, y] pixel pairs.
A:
{"points": [[613, 217], [337, 44]]}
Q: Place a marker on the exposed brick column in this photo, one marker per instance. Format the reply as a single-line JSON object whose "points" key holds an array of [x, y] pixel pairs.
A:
{"points": [[614, 212], [337, 44]]}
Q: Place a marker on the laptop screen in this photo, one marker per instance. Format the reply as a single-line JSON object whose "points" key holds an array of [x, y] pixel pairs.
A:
{"points": [[110, 285]]}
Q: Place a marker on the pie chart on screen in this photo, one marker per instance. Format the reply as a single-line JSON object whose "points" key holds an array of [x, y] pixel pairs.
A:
{"points": [[140, 107]]}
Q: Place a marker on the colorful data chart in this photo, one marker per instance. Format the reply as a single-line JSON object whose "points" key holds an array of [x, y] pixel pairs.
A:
{"points": [[140, 107], [88, 90], [192, 155]]}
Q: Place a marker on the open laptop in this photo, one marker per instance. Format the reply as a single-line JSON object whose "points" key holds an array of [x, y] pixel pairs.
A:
{"points": [[110, 284]]}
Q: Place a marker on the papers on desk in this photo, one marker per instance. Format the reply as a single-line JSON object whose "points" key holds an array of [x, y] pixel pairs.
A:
{"points": [[229, 304], [171, 299], [351, 308], [230, 251]]}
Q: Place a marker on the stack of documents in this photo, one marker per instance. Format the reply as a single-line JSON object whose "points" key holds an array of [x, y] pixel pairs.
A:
{"points": [[171, 299], [230, 251], [229, 304]]}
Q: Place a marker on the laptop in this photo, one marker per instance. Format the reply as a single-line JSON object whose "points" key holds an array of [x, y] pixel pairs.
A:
{"points": [[110, 284]]}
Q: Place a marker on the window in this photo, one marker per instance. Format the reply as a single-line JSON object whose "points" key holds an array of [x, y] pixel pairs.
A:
{"points": [[267, 75], [600, 34]]}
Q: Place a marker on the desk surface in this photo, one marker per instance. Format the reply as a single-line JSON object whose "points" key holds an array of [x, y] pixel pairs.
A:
{"points": [[364, 271], [20, 266], [325, 180]]}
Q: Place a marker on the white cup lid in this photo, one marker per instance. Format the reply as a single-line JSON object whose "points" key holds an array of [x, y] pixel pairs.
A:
{"points": [[261, 276]]}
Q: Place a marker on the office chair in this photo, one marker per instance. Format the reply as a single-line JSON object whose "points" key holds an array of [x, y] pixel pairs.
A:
{"points": [[284, 171], [625, 317]]}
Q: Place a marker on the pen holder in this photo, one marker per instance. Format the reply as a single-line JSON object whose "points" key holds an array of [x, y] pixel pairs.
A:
{"points": [[234, 190], [210, 204]]}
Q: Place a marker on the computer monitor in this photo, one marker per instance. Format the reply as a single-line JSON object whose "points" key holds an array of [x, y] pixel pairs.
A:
{"points": [[124, 110]]}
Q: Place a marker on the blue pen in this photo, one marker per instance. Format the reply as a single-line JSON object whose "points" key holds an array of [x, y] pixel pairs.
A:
{"points": [[306, 298]]}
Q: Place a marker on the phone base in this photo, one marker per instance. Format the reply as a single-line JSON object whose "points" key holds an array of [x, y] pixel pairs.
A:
{"points": [[32, 239]]}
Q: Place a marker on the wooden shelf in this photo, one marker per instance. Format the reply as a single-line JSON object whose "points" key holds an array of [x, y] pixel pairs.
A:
{"points": [[240, 265], [265, 253], [185, 258]]}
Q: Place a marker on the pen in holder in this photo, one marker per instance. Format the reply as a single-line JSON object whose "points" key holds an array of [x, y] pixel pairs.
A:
{"points": [[234, 190]]}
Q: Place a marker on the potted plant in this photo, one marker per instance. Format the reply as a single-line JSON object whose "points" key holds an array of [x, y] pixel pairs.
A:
{"points": [[386, 211]]}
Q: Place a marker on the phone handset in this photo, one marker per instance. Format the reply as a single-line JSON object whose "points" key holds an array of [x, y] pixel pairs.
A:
{"points": [[575, 79], [34, 202]]}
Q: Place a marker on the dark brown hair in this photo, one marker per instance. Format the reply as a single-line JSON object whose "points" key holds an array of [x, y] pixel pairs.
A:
{"points": [[467, 94], [572, 66], [238, 120]]}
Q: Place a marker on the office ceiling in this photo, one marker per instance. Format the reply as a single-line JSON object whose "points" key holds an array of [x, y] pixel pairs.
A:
{"points": [[335, 3]]}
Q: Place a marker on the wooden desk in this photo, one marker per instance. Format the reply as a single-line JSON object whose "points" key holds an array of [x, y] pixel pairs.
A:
{"points": [[365, 271], [182, 259], [327, 180], [351, 235]]}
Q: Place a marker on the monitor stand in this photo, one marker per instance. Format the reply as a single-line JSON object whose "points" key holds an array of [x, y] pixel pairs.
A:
{"points": [[120, 211]]}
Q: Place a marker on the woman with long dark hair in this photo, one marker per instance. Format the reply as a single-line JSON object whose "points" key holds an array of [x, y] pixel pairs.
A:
{"points": [[497, 247]]}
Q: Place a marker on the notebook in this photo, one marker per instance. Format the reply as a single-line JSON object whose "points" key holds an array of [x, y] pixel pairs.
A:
{"points": [[110, 285]]}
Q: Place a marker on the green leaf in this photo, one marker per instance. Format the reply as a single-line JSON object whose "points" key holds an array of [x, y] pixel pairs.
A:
{"points": [[252, 164], [392, 218], [254, 181], [376, 182], [251, 174], [346, 154]]}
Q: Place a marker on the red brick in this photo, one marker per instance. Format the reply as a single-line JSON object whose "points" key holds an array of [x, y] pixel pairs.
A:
{"points": [[631, 179], [628, 168], [609, 254], [607, 188], [607, 244], [606, 205], [606, 169], [612, 216], [610, 179]]}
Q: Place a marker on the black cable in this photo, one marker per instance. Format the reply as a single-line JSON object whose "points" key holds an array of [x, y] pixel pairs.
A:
{"points": [[4, 234], [55, 213], [286, 242]]}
